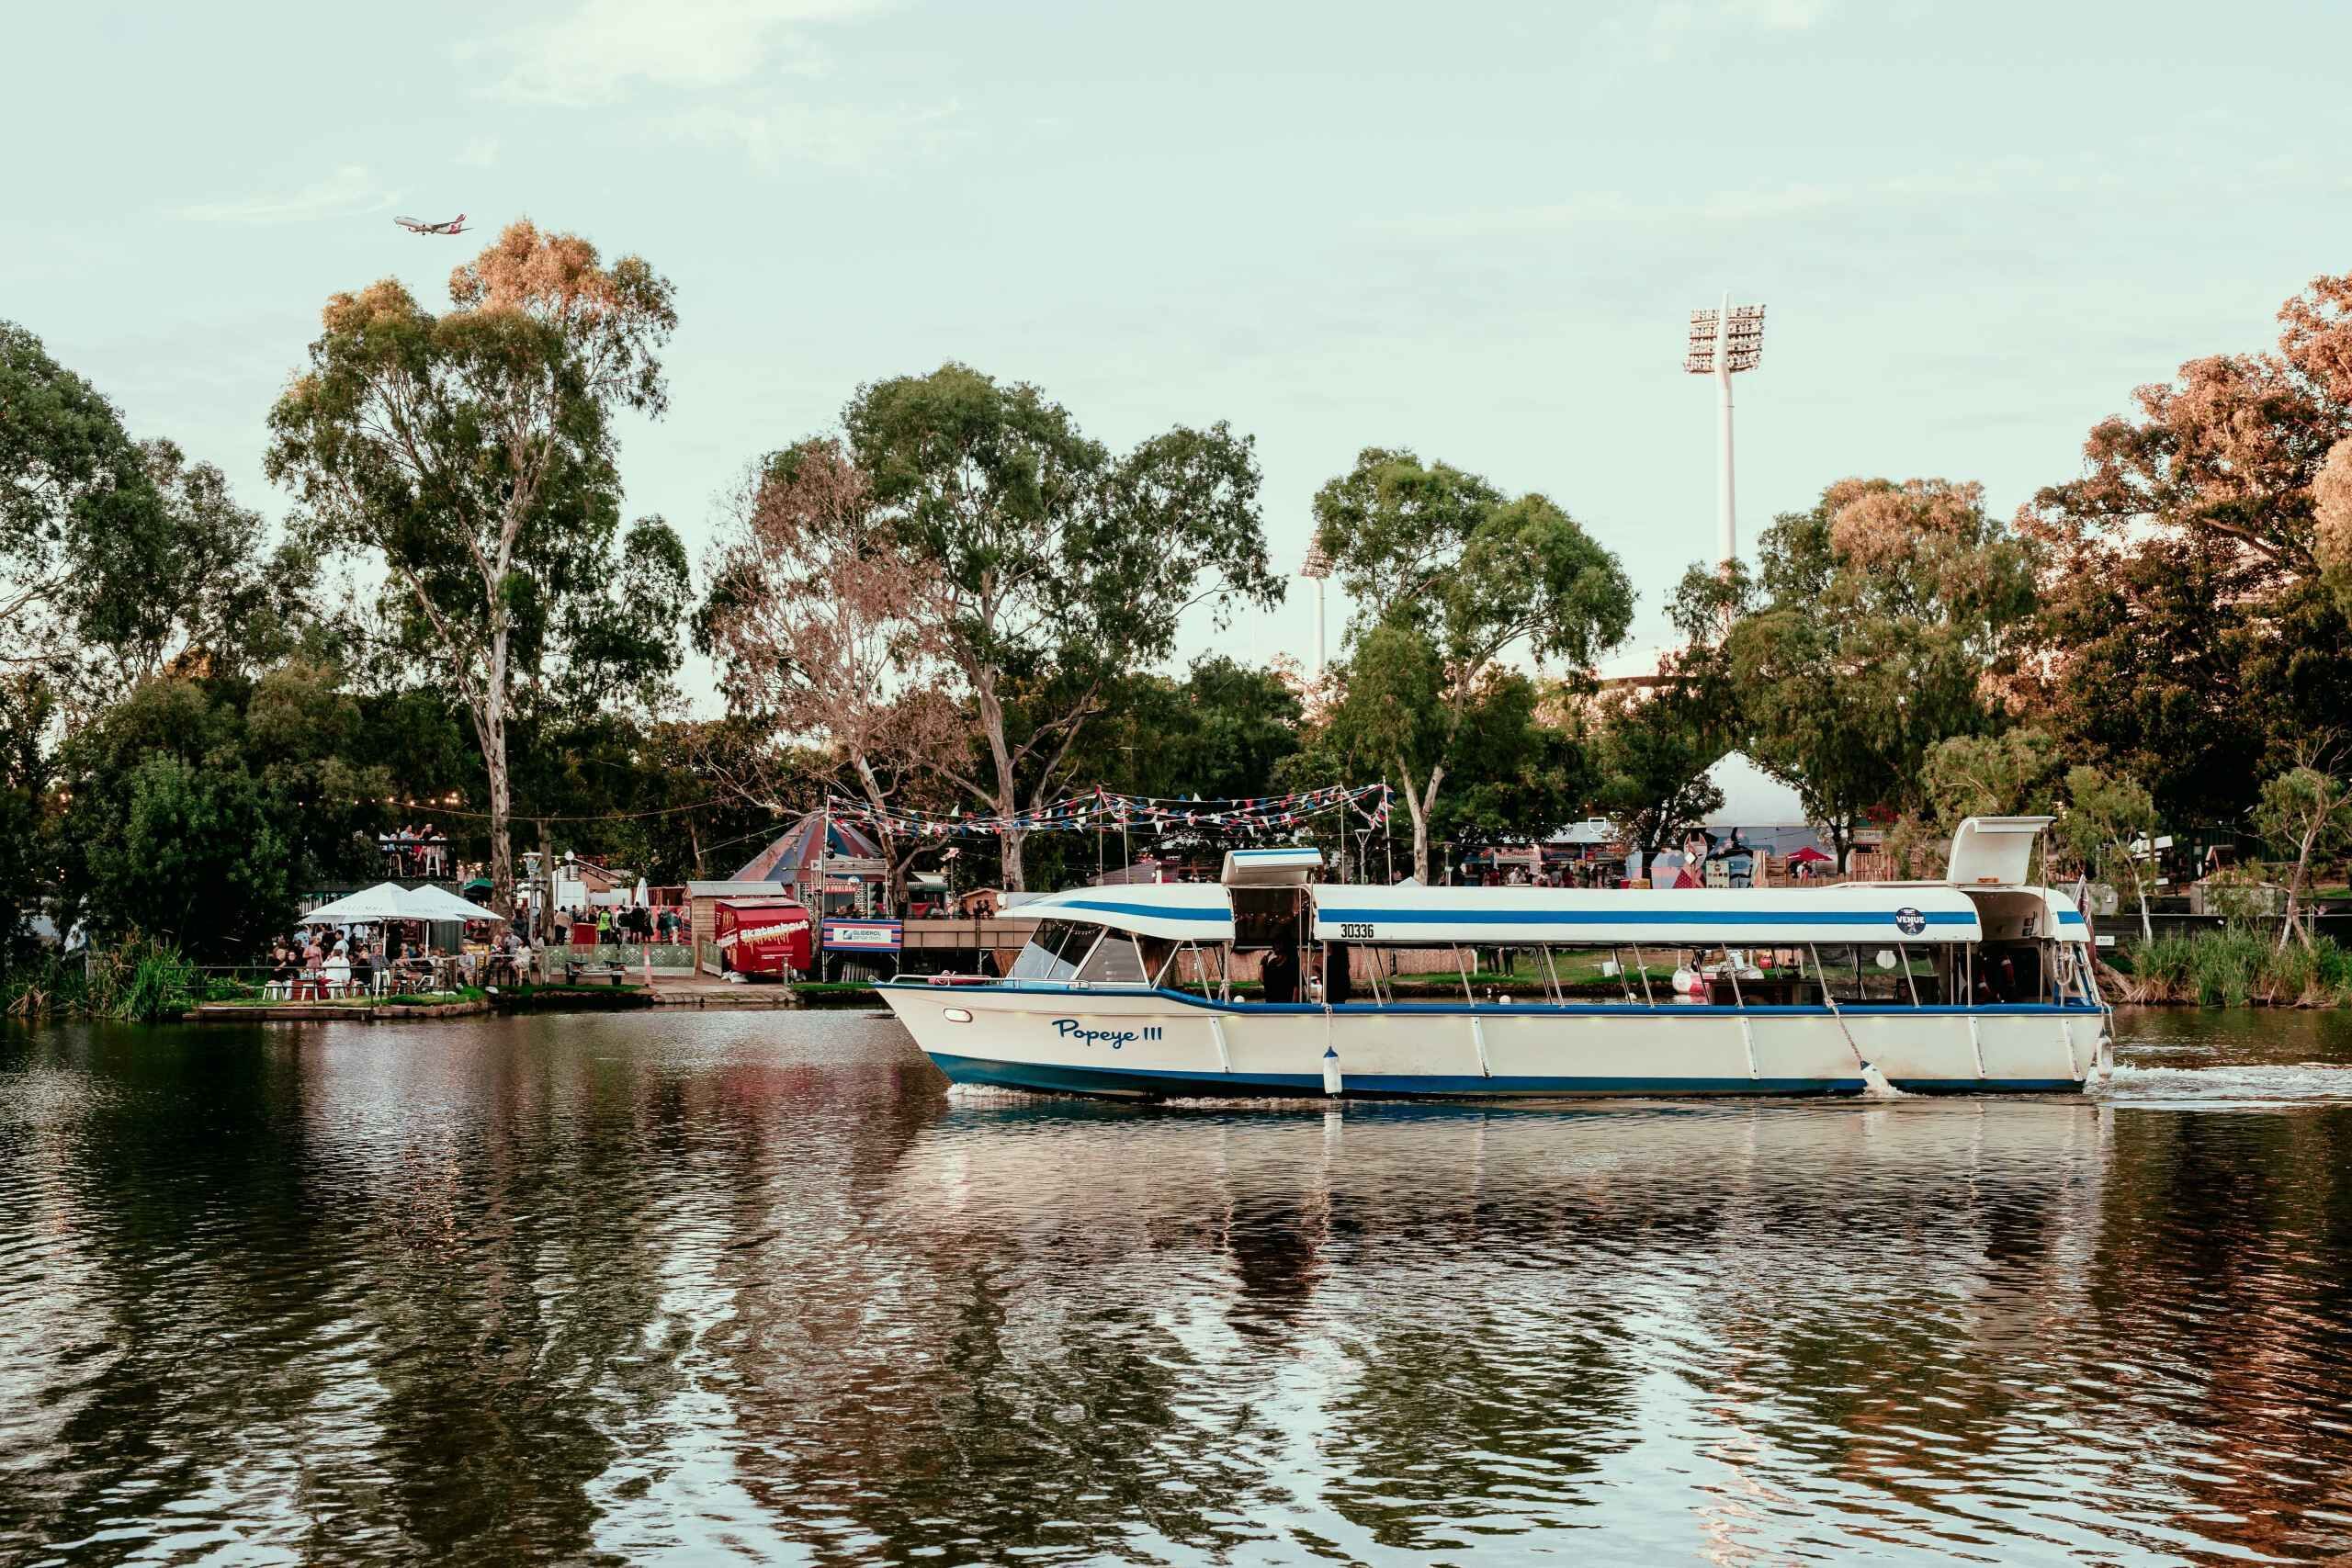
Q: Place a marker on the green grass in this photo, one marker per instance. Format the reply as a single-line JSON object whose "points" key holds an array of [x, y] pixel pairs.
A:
{"points": [[2238, 967]]}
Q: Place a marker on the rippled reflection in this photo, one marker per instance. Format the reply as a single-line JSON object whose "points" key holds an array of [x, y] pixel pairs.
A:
{"points": [[634, 1287]]}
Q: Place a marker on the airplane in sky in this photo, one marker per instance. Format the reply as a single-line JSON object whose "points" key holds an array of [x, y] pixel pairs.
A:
{"points": [[453, 226]]}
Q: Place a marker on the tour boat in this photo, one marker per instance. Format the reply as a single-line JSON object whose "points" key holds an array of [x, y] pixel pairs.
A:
{"points": [[1980, 983]]}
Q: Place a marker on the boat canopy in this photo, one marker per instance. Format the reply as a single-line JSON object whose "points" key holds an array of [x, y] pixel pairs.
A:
{"points": [[1287, 867], [1407, 914], [1994, 850], [1194, 911]]}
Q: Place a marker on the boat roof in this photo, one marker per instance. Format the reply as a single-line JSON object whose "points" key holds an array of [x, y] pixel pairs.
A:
{"points": [[1196, 910], [1407, 913], [1765, 916]]}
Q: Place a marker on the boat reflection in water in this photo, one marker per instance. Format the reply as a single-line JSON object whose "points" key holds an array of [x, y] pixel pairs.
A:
{"points": [[1426, 1326]]}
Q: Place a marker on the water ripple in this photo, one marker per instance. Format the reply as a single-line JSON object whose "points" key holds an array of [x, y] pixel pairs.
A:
{"points": [[755, 1286]]}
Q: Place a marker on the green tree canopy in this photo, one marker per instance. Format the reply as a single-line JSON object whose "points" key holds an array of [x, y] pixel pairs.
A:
{"points": [[1890, 616], [2194, 630], [1452, 580], [2109, 824], [474, 450], [1058, 567]]}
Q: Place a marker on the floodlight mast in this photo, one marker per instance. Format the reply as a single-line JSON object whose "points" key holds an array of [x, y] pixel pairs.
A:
{"points": [[1317, 568], [1722, 341]]}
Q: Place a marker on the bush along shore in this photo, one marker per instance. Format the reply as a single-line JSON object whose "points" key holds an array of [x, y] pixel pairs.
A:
{"points": [[139, 980], [2235, 966]]}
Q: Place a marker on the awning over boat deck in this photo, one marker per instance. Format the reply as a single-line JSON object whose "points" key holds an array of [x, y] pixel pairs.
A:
{"points": [[1665, 917], [1196, 912]]}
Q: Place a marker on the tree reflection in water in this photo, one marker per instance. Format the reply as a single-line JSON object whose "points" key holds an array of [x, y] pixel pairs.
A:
{"points": [[609, 1288]]}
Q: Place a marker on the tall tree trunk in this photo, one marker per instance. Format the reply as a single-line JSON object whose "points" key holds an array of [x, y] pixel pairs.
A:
{"points": [[2293, 926], [1008, 798], [502, 850], [894, 866], [1419, 804]]}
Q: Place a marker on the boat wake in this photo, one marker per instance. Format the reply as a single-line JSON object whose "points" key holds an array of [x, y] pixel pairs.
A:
{"points": [[2296, 1083]]}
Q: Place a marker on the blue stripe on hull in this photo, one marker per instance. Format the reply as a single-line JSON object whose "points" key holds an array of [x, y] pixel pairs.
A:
{"points": [[1129, 1083]]}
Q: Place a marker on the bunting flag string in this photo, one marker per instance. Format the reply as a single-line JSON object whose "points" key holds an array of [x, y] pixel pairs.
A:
{"points": [[1100, 810]]}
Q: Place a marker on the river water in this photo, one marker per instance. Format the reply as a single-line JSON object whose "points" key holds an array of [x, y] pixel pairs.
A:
{"points": [[690, 1287]]}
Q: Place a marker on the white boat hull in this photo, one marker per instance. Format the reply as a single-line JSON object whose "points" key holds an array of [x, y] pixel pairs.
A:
{"points": [[1150, 1043]]}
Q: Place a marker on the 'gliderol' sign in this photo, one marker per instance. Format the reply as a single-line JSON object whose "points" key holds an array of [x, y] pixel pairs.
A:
{"points": [[864, 936]]}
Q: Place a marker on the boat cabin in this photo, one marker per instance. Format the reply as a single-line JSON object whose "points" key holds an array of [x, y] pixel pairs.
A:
{"points": [[1982, 937]]}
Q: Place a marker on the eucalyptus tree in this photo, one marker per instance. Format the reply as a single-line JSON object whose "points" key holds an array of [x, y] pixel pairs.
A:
{"points": [[1054, 566], [474, 452], [1452, 582], [1890, 614], [825, 636], [2197, 625], [76, 503], [2109, 825]]}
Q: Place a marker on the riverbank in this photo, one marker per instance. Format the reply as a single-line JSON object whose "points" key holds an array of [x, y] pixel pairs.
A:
{"points": [[2234, 966], [675, 991]]}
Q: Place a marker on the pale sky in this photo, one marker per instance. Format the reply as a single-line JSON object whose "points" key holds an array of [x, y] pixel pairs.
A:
{"points": [[1472, 229]]}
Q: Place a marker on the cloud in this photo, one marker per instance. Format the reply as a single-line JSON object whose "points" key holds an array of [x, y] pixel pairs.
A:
{"points": [[845, 138], [1775, 15], [348, 189], [1763, 204], [479, 154], [605, 46], [1673, 23]]}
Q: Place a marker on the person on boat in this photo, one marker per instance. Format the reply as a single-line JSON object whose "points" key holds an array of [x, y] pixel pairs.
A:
{"points": [[1338, 986], [1278, 974]]}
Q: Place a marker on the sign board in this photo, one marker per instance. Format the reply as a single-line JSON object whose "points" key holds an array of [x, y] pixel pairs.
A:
{"points": [[2107, 939], [864, 936], [853, 865]]}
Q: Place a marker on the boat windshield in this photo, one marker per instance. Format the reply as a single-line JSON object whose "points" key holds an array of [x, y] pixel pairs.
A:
{"points": [[1055, 950]]}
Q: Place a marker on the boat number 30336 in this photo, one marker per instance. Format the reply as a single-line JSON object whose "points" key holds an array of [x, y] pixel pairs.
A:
{"points": [[1070, 1028]]}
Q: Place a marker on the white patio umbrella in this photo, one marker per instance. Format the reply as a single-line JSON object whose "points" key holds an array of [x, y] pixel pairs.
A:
{"points": [[385, 901], [436, 904]]}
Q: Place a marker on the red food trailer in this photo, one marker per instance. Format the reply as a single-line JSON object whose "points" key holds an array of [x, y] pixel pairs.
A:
{"points": [[760, 936]]}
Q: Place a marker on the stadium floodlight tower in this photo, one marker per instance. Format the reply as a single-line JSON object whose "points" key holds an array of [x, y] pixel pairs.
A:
{"points": [[1722, 343], [1317, 567]]}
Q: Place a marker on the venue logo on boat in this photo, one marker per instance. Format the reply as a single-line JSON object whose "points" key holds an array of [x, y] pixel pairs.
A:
{"points": [[1909, 921]]}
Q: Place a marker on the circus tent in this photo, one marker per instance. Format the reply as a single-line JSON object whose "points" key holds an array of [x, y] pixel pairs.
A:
{"points": [[791, 860]]}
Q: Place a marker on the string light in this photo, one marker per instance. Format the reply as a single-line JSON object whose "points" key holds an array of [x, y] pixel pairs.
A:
{"points": [[1103, 811]]}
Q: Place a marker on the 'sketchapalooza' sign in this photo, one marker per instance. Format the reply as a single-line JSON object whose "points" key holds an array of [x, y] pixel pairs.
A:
{"points": [[762, 933]]}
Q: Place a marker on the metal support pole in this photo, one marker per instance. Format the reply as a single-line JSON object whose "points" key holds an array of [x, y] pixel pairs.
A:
{"points": [[1725, 526]]}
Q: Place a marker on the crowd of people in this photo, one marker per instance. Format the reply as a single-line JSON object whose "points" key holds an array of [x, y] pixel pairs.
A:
{"points": [[634, 923], [325, 962]]}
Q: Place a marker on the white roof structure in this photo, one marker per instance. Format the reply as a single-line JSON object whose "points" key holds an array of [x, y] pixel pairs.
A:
{"points": [[438, 904], [1286, 867], [1671, 916], [1196, 910], [385, 901]]}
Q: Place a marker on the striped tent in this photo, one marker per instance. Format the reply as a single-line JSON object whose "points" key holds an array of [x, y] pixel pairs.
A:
{"points": [[791, 860]]}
